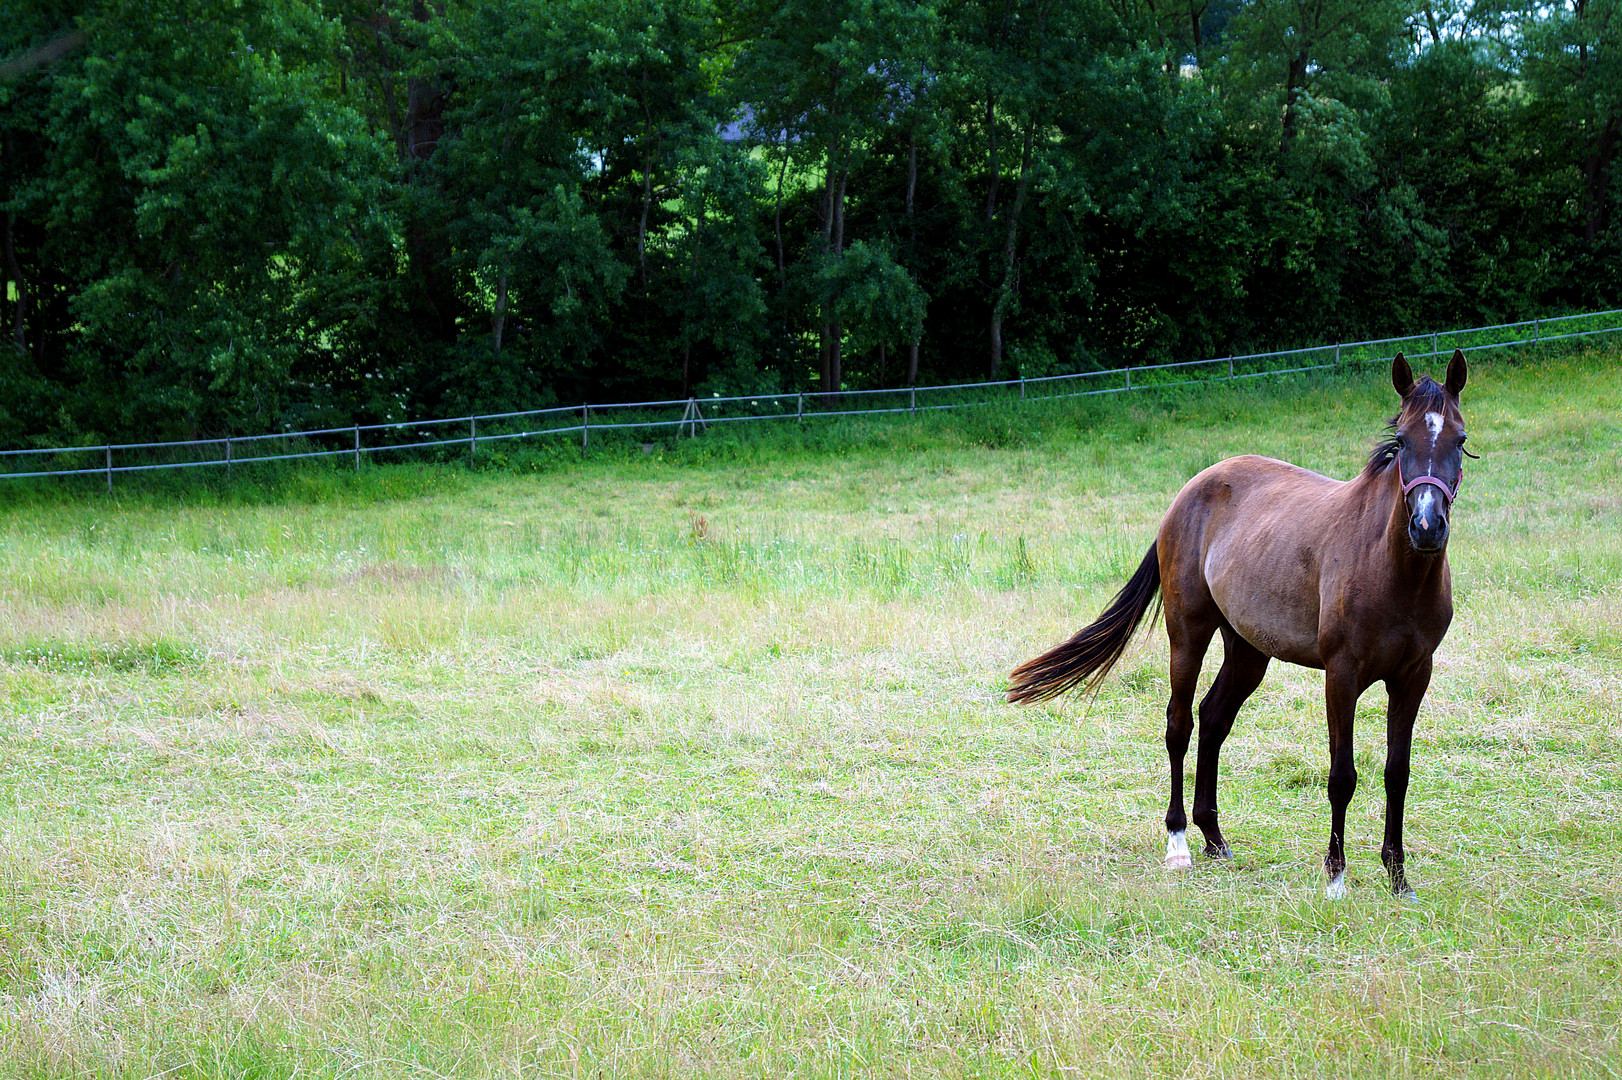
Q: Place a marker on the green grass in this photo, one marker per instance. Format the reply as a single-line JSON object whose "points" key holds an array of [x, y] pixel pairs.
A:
{"points": [[696, 764]]}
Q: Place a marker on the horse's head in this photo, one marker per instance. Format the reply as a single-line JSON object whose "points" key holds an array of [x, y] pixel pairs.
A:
{"points": [[1427, 440]]}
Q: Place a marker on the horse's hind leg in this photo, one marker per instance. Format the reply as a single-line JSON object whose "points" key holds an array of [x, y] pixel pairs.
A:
{"points": [[1188, 638], [1243, 666]]}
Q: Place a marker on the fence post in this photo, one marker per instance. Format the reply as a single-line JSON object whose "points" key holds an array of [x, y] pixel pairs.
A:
{"points": [[472, 438], [1129, 378], [109, 470], [799, 409], [1022, 388], [585, 426], [1433, 342], [228, 459], [1230, 367], [357, 448], [912, 399], [1337, 354], [1537, 331]]}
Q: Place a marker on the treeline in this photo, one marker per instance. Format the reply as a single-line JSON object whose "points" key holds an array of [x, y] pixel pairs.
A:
{"points": [[225, 216]]}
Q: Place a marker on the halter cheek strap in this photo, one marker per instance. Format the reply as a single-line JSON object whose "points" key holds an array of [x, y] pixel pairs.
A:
{"points": [[1409, 485]]}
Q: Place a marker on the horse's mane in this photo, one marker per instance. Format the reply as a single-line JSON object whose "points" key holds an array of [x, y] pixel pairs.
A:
{"points": [[1427, 396]]}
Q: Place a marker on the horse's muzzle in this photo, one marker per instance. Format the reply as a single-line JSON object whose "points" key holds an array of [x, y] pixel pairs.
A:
{"points": [[1427, 519]]}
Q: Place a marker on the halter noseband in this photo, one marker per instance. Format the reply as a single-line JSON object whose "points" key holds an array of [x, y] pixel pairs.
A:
{"points": [[1436, 481]]}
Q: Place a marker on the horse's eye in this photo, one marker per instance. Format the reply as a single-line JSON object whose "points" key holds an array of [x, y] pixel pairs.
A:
{"points": [[1463, 439]]}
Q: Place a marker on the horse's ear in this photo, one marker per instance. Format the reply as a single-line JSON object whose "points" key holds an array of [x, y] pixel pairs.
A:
{"points": [[1457, 372], [1402, 376]]}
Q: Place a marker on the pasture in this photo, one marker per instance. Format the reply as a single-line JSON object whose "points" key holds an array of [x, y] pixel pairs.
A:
{"points": [[697, 764]]}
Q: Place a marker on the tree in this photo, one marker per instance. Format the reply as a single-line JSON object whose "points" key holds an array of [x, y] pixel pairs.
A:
{"points": [[201, 208], [826, 83], [1572, 59]]}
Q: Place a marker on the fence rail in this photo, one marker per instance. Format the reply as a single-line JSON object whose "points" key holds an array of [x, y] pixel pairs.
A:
{"points": [[363, 441]]}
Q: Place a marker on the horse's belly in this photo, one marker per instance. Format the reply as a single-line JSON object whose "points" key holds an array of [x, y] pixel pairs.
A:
{"points": [[1276, 613], [1282, 643]]}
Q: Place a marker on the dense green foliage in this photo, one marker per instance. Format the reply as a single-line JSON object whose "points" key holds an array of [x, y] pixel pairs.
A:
{"points": [[223, 218]]}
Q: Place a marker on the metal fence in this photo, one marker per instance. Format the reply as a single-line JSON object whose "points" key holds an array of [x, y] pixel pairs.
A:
{"points": [[374, 442]]}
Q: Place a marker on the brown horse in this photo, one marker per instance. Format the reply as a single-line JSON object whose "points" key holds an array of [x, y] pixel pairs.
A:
{"points": [[1350, 577]]}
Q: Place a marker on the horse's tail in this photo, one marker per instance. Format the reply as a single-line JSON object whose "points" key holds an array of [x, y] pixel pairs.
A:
{"points": [[1089, 655]]}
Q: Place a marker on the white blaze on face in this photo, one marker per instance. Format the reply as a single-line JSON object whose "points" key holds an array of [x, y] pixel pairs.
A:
{"points": [[1424, 505], [1433, 422]]}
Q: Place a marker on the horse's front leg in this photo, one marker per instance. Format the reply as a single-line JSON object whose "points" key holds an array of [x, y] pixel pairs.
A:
{"points": [[1406, 693], [1341, 691]]}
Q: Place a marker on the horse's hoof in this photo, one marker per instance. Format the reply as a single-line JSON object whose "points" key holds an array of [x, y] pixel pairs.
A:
{"points": [[1177, 856], [1336, 889], [1218, 851]]}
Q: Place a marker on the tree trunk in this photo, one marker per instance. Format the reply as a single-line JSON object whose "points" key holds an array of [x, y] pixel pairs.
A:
{"points": [[777, 215], [1430, 23], [787, 342], [826, 329], [652, 141], [40, 55], [498, 324], [912, 177], [5, 277], [699, 223], [833, 232], [912, 233], [1010, 281], [1597, 179], [839, 212], [20, 325], [992, 165], [836, 343], [435, 307], [1294, 81], [642, 225]]}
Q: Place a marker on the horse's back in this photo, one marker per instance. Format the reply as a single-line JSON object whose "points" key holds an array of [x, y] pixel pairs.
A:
{"points": [[1247, 535], [1255, 475]]}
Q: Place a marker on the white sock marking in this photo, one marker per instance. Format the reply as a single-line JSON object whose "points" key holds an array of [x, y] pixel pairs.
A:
{"points": [[1177, 856], [1336, 889]]}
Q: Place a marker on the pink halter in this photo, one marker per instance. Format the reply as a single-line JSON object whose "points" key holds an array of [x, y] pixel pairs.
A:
{"points": [[1409, 485]]}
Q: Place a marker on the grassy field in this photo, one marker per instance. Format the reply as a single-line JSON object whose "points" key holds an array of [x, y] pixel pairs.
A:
{"points": [[696, 764]]}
